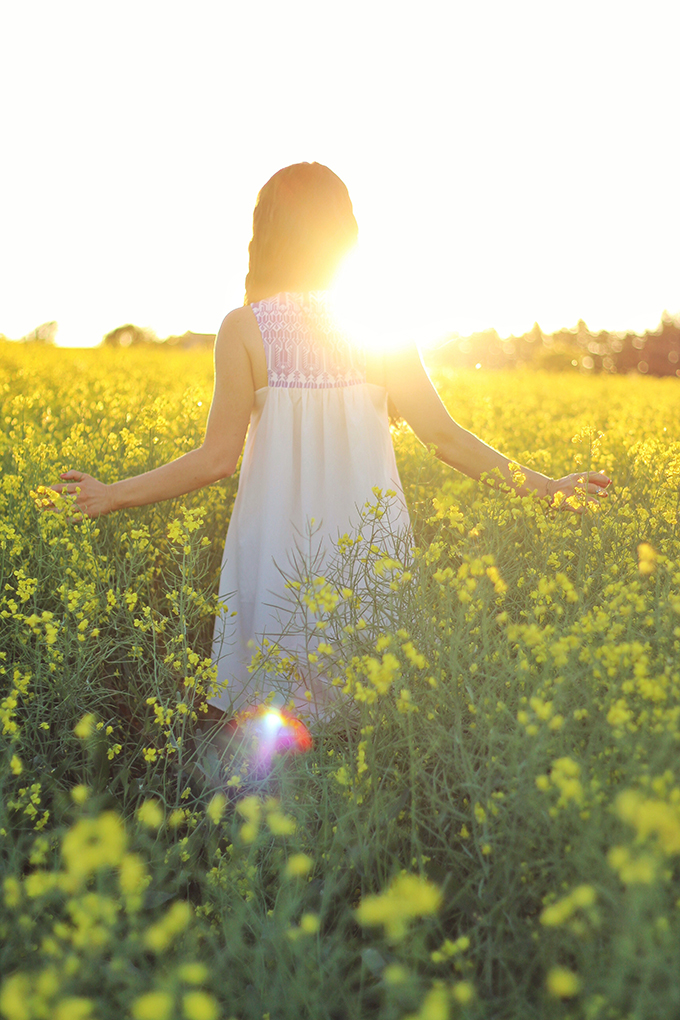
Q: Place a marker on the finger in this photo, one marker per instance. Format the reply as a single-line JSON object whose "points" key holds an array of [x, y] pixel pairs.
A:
{"points": [[592, 483], [72, 476], [63, 490], [598, 478]]}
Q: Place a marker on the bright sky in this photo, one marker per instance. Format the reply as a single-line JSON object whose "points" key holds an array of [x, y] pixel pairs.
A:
{"points": [[508, 162]]}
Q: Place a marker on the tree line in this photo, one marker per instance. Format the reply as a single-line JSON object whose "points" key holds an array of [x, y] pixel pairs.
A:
{"points": [[654, 352]]}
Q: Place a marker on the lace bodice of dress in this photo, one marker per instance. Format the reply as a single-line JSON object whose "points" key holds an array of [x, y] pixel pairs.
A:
{"points": [[304, 346]]}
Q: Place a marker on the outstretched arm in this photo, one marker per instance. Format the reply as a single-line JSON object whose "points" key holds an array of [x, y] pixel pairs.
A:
{"points": [[217, 456], [417, 400]]}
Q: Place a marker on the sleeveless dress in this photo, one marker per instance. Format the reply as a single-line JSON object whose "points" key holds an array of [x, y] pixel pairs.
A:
{"points": [[318, 442]]}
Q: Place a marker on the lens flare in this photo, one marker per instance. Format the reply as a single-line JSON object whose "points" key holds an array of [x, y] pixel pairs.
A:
{"points": [[264, 732]]}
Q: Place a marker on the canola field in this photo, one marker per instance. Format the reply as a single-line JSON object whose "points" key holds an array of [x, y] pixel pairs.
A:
{"points": [[493, 831]]}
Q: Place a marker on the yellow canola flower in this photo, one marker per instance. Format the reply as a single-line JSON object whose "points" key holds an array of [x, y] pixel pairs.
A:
{"points": [[449, 949], [309, 925], [199, 1006], [14, 997], [248, 832], [407, 897], [47, 984], [583, 896], [557, 913], [395, 974], [87, 912], [632, 870], [193, 973], [567, 766], [543, 709], [216, 808], [413, 655], [435, 1005], [73, 1008], [153, 1006], [133, 879], [463, 992], [651, 817], [12, 891], [404, 703], [647, 558], [85, 727], [93, 843], [619, 714], [381, 673], [298, 865], [151, 814], [562, 983], [251, 809], [564, 774], [280, 824], [160, 935]]}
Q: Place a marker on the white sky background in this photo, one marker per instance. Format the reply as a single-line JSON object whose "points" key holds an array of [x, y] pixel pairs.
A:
{"points": [[508, 161]]}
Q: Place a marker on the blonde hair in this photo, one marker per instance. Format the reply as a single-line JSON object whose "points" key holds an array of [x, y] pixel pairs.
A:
{"points": [[303, 225]]}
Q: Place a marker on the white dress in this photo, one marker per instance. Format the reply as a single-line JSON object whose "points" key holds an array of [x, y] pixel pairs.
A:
{"points": [[317, 444]]}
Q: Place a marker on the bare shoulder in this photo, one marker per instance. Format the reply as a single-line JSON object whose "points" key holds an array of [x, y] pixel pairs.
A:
{"points": [[239, 324], [240, 333]]}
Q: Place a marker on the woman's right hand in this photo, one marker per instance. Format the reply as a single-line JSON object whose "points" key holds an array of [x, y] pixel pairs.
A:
{"points": [[575, 491], [92, 496]]}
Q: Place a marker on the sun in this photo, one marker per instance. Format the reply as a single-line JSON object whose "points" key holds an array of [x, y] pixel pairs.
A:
{"points": [[365, 301], [382, 300]]}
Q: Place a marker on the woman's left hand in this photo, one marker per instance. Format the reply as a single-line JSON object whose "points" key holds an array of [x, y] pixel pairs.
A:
{"points": [[575, 491], [92, 496]]}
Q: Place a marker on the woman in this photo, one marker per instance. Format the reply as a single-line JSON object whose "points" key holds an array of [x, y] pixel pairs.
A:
{"points": [[314, 404]]}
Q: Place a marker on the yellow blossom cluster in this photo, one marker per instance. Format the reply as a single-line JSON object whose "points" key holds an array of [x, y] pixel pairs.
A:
{"points": [[508, 723], [255, 811], [407, 897]]}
